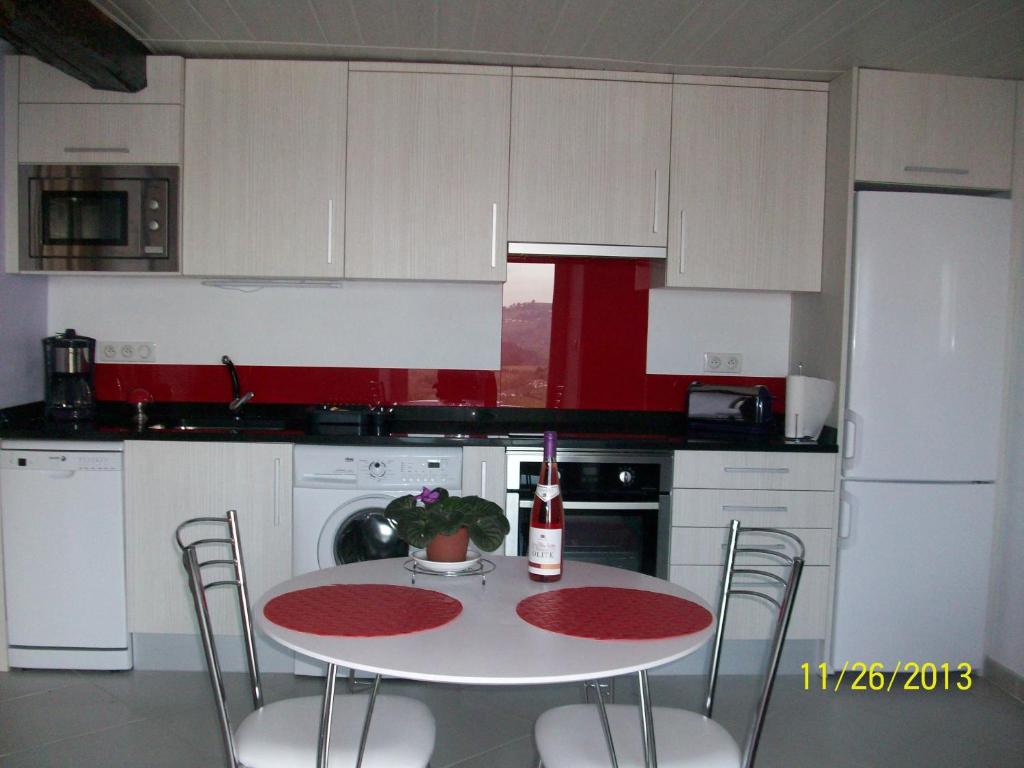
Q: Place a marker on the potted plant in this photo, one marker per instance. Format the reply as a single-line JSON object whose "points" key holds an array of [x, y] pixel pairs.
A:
{"points": [[444, 524]]}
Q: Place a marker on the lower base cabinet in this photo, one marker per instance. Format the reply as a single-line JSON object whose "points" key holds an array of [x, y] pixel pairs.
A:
{"points": [[169, 482], [790, 491]]}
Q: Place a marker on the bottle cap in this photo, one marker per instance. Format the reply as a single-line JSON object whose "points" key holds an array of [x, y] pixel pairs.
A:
{"points": [[549, 444]]}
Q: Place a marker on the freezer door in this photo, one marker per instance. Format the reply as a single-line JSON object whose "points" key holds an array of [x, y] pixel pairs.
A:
{"points": [[930, 303], [912, 573]]}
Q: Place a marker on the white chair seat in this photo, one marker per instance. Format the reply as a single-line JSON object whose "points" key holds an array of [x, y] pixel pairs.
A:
{"points": [[572, 737], [284, 734]]}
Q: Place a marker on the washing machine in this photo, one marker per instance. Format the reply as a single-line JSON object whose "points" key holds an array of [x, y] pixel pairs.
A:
{"points": [[339, 497]]}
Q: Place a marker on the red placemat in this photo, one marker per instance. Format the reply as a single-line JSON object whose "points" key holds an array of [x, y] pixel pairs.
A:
{"points": [[362, 610], [612, 613]]}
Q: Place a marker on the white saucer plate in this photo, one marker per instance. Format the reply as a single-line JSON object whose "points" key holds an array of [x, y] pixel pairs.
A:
{"points": [[420, 556]]}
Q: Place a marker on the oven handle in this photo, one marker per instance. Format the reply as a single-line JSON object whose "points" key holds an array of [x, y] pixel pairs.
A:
{"points": [[624, 505]]}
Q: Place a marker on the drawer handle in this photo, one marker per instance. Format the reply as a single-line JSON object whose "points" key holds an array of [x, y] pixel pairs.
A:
{"points": [[751, 508], [935, 169], [760, 470], [79, 150], [762, 546]]}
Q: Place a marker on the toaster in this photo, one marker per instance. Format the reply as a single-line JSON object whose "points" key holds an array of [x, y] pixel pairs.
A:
{"points": [[735, 409]]}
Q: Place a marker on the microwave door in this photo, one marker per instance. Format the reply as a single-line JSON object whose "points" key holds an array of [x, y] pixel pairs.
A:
{"points": [[85, 219]]}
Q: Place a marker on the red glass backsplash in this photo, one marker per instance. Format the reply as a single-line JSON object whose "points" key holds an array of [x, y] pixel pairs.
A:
{"points": [[573, 336]]}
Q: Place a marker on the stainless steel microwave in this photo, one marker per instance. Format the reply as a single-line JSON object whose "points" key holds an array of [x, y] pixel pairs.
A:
{"points": [[103, 218]]}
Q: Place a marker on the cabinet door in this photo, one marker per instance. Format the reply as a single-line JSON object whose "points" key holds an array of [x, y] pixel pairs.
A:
{"points": [[140, 134], [169, 482], [589, 161], [748, 188], [427, 175], [264, 177], [41, 83], [934, 130]]}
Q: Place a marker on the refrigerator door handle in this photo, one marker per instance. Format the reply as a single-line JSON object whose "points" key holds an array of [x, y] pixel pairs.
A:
{"points": [[845, 517], [850, 435]]}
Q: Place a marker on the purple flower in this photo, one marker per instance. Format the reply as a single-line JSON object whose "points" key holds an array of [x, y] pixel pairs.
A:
{"points": [[428, 496]]}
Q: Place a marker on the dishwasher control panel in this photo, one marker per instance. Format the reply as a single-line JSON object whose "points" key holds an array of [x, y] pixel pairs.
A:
{"points": [[62, 461]]}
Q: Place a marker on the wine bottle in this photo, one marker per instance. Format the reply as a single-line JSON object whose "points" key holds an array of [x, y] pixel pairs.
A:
{"points": [[547, 519]]}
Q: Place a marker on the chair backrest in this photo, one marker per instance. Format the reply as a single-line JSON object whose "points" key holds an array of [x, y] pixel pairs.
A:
{"points": [[778, 591], [226, 553]]}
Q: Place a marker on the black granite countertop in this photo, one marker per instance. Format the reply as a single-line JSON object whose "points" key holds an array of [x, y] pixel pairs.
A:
{"points": [[401, 425]]}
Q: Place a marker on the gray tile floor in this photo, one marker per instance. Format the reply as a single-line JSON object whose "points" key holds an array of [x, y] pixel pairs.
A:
{"points": [[156, 719]]}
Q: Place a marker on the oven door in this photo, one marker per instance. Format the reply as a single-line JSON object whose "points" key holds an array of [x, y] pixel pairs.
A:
{"points": [[622, 534]]}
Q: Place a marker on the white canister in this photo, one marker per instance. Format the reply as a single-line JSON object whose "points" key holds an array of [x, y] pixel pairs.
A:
{"points": [[808, 403]]}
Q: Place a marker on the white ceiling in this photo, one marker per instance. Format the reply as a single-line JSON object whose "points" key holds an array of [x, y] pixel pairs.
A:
{"points": [[806, 39]]}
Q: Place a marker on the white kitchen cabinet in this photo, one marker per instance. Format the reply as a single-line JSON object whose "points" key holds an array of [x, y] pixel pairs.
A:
{"points": [[590, 157], [748, 176], [934, 130], [169, 482], [40, 83], [427, 193], [483, 472], [118, 134], [264, 176], [788, 490]]}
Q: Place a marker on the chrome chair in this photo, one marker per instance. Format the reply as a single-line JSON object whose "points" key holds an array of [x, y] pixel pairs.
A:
{"points": [[286, 734], [581, 735]]}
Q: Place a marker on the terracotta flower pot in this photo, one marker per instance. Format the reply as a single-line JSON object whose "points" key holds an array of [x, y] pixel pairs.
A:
{"points": [[449, 549]]}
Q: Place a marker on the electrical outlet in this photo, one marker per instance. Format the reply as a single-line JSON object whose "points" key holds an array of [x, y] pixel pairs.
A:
{"points": [[723, 362], [127, 352]]}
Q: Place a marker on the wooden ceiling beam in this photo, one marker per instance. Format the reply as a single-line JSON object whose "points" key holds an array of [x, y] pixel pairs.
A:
{"points": [[77, 38]]}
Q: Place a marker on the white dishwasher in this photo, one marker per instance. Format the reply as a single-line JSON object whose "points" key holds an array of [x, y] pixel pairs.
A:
{"points": [[62, 510]]}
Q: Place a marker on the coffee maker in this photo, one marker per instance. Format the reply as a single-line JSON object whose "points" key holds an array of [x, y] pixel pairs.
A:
{"points": [[69, 376]]}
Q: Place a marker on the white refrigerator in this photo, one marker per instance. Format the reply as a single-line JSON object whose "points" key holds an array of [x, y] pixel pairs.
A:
{"points": [[924, 400]]}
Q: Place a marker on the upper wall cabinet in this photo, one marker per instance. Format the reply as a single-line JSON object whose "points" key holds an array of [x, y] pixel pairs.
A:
{"points": [[590, 158], [748, 175], [934, 130], [64, 121], [264, 176], [427, 172]]}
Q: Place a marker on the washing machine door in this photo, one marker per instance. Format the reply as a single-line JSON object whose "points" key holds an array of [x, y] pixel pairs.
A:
{"points": [[357, 531]]}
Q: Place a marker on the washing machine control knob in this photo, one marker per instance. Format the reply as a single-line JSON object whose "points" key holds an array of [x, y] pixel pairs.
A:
{"points": [[377, 469]]}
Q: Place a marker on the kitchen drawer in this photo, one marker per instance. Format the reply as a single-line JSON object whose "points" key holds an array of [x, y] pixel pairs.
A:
{"points": [[778, 509], [118, 134], [754, 470], [706, 546], [751, 618]]}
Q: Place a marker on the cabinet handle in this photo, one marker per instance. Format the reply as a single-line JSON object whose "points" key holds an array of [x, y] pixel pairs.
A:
{"points": [[935, 169], [850, 438], [751, 508], [330, 231], [483, 479], [760, 470], [763, 546], [277, 491], [494, 235], [682, 242], [655, 230], [78, 150]]}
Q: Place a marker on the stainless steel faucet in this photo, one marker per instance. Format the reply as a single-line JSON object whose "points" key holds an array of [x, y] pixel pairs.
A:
{"points": [[237, 398]]}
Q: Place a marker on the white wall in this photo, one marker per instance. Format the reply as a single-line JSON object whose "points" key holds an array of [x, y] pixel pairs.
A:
{"points": [[684, 324], [360, 324], [22, 320]]}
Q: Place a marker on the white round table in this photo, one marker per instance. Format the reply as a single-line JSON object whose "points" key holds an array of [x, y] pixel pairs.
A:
{"points": [[487, 643]]}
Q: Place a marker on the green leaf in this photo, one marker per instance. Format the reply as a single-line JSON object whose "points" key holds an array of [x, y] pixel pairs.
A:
{"points": [[416, 530], [488, 533]]}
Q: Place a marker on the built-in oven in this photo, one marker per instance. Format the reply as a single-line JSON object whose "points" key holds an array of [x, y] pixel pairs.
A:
{"points": [[120, 218], [617, 505]]}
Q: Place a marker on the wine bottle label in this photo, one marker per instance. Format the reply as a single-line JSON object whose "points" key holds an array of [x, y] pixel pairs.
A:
{"points": [[547, 492], [545, 555]]}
